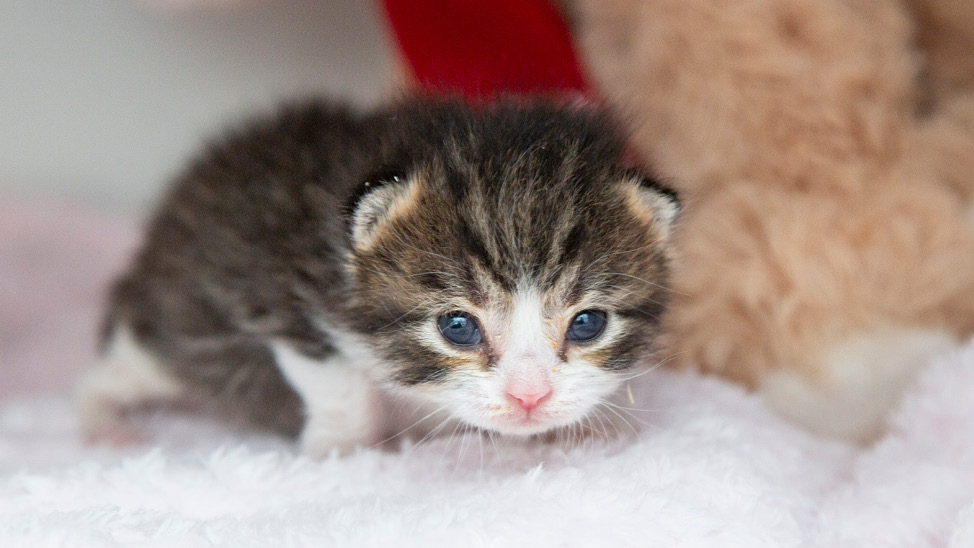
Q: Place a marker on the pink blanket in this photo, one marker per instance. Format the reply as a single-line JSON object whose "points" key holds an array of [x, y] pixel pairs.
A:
{"points": [[706, 466]]}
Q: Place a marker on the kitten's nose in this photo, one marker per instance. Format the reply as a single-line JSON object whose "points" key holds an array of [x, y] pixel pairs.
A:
{"points": [[528, 397]]}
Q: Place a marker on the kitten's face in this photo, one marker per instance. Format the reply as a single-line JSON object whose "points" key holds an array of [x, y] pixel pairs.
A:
{"points": [[518, 276]]}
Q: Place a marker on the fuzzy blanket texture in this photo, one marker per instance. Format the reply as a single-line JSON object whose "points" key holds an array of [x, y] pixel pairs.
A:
{"points": [[706, 464]]}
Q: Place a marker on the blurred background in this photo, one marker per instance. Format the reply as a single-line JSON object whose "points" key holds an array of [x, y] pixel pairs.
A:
{"points": [[100, 102], [102, 99]]}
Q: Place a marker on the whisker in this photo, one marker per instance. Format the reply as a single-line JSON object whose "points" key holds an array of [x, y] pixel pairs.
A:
{"points": [[637, 409], [463, 444], [410, 427], [490, 436], [652, 368], [480, 440], [429, 435], [612, 406], [609, 408], [598, 416], [590, 426]]}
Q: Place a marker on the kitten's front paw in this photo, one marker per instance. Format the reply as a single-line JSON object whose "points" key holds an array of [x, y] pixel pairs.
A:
{"points": [[108, 426], [342, 409], [104, 420]]}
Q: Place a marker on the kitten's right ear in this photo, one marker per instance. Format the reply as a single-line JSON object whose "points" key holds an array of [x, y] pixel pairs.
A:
{"points": [[378, 199], [659, 204]]}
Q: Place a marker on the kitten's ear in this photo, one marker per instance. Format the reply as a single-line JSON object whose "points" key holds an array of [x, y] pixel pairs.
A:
{"points": [[655, 202], [378, 199]]}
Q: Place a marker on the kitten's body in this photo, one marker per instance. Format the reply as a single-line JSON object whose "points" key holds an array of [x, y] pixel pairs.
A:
{"points": [[301, 270]]}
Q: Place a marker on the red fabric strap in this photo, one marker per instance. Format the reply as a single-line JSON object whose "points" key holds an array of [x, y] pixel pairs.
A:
{"points": [[484, 47]]}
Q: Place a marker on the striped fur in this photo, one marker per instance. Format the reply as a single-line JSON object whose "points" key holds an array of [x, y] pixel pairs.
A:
{"points": [[344, 236]]}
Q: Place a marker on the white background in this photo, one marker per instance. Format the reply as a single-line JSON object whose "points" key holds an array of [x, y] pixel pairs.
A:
{"points": [[104, 99]]}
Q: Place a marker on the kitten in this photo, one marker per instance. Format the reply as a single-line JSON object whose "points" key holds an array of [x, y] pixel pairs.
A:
{"points": [[497, 264]]}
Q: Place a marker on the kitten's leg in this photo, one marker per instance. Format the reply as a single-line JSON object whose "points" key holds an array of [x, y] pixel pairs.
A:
{"points": [[127, 377], [340, 400]]}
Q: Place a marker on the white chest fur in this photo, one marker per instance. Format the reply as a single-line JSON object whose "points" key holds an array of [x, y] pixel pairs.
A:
{"points": [[345, 404]]}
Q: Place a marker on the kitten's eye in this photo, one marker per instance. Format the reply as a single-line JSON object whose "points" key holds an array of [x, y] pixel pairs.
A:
{"points": [[459, 328], [586, 325]]}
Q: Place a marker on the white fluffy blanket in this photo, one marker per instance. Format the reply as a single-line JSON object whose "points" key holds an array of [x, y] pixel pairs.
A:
{"points": [[708, 465]]}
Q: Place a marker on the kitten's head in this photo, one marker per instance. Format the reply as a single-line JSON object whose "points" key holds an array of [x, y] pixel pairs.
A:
{"points": [[505, 264]]}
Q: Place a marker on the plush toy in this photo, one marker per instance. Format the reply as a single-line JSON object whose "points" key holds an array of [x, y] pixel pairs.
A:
{"points": [[825, 149]]}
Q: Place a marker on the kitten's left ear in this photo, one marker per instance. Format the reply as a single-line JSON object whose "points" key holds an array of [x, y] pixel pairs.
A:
{"points": [[655, 202], [378, 199]]}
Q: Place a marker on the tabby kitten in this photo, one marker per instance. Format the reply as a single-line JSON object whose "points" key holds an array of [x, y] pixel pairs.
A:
{"points": [[498, 264]]}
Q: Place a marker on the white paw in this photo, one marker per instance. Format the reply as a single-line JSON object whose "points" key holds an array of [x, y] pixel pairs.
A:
{"points": [[126, 378], [341, 404]]}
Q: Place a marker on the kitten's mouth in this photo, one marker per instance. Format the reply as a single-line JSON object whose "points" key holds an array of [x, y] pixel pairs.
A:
{"points": [[524, 428], [527, 423]]}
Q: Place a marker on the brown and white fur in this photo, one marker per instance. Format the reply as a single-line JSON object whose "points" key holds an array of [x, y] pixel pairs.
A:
{"points": [[300, 270]]}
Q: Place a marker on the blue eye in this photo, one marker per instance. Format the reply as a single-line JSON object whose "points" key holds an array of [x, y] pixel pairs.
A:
{"points": [[459, 328], [586, 325]]}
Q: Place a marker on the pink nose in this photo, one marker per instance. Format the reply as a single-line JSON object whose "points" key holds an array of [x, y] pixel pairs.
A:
{"points": [[528, 398]]}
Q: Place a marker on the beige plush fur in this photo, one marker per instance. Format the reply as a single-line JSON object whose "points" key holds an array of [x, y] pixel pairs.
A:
{"points": [[826, 152]]}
